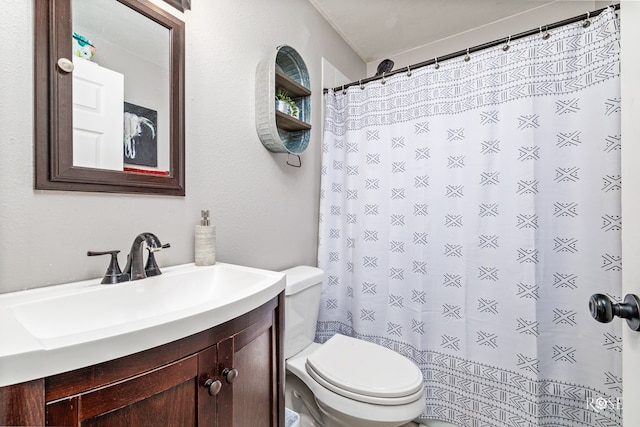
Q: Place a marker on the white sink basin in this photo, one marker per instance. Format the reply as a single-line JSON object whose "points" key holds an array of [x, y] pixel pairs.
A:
{"points": [[129, 303], [60, 328]]}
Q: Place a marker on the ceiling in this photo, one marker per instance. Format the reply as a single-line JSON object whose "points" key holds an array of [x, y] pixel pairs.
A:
{"points": [[378, 29]]}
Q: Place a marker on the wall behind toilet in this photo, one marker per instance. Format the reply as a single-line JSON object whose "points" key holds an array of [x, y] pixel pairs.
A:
{"points": [[265, 211]]}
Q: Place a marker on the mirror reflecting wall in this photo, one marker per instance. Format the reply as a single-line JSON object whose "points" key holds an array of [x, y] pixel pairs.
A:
{"points": [[121, 59], [109, 97]]}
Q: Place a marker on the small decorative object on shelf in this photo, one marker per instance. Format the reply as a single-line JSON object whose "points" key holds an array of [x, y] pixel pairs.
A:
{"points": [[283, 102], [82, 46]]}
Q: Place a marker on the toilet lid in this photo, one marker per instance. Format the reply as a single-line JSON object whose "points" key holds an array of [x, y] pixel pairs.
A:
{"points": [[360, 369]]}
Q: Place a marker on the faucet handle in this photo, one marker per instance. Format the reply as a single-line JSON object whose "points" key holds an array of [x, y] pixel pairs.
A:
{"points": [[151, 268], [152, 250], [113, 273]]}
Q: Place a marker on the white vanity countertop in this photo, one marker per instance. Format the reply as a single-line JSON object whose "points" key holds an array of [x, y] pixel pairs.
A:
{"points": [[55, 329]]}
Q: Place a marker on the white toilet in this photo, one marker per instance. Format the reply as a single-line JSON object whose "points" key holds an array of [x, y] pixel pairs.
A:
{"points": [[345, 381]]}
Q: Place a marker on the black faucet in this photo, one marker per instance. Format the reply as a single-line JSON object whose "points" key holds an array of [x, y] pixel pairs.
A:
{"points": [[135, 263], [135, 268]]}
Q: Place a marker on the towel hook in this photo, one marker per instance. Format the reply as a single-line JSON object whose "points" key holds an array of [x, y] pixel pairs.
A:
{"points": [[361, 85], [436, 66], [408, 71], [467, 57], [587, 21], [505, 47], [383, 81]]}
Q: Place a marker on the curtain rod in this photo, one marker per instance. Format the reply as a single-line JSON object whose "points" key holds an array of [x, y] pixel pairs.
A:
{"points": [[479, 47]]}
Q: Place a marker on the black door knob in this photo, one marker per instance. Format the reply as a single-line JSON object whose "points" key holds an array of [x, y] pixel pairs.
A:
{"points": [[604, 310]]}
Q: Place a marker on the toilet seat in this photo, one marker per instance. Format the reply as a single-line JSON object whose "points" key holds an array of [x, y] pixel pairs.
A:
{"points": [[329, 401], [364, 371]]}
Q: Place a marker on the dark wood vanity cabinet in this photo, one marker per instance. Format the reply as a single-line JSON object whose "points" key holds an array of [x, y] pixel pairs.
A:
{"points": [[170, 385]]}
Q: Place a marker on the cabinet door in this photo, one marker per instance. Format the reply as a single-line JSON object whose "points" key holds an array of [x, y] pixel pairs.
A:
{"points": [[22, 404], [163, 396], [209, 387], [250, 397]]}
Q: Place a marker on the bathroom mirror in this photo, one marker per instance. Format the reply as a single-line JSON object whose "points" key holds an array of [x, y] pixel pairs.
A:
{"points": [[109, 97]]}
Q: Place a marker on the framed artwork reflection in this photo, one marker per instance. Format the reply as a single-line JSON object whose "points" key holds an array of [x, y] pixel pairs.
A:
{"points": [[140, 140]]}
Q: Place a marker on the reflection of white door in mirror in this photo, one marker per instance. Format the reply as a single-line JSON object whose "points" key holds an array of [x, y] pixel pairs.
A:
{"points": [[98, 95]]}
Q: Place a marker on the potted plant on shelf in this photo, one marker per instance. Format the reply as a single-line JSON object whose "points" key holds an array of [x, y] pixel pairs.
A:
{"points": [[285, 104]]}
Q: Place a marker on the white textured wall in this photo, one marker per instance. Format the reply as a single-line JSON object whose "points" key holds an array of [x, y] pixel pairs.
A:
{"points": [[540, 16], [265, 211]]}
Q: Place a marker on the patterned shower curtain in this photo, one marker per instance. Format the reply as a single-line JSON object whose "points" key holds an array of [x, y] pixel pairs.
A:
{"points": [[467, 214]]}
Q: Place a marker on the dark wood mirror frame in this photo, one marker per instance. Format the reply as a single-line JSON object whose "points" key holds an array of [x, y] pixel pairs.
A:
{"points": [[54, 168]]}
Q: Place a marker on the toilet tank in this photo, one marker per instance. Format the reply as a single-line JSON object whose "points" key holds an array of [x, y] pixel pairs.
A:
{"points": [[302, 302]]}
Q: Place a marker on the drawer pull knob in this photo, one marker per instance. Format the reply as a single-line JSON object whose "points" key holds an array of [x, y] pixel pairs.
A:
{"points": [[230, 375], [213, 387]]}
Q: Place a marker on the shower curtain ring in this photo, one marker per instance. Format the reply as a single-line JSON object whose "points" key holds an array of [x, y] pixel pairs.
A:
{"points": [[546, 34], [467, 57], [408, 71], [436, 66], [506, 44], [587, 21], [344, 91], [361, 85], [383, 81]]}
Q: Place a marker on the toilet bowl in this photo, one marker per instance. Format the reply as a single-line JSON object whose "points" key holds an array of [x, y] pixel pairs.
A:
{"points": [[345, 381]]}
